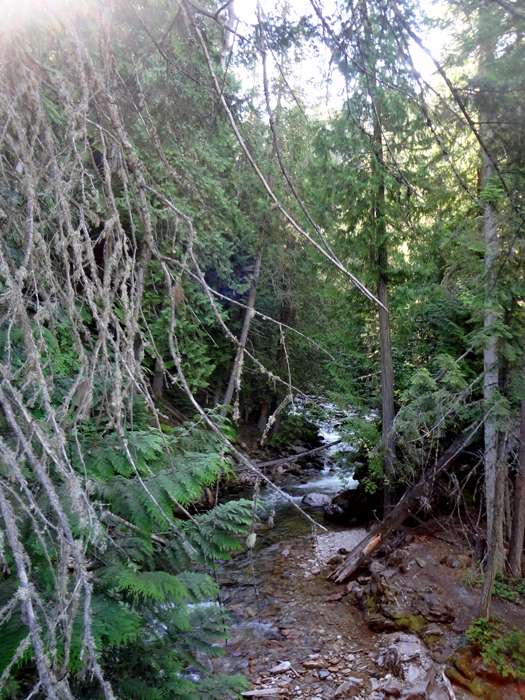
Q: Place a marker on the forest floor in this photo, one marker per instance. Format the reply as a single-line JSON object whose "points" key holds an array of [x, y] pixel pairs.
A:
{"points": [[297, 635]]}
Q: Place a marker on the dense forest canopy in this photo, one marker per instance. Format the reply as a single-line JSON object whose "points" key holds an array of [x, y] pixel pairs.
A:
{"points": [[193, 236]]}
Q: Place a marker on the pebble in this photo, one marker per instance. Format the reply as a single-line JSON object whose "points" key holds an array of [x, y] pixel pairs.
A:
{"points": [[281, 668], [324, 674]]}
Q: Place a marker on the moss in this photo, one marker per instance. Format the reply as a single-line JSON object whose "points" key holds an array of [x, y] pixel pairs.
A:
{"points": [[411, 623], [476, 686]]}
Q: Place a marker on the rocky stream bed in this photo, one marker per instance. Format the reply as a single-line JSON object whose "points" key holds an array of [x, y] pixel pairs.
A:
{"points": [[397, 630]]}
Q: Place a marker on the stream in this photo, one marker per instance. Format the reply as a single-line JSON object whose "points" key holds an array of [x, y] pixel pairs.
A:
{"points": [[272, 591]]}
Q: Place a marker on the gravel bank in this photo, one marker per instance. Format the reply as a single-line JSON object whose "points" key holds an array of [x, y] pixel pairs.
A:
{"points": [[329, 544]]}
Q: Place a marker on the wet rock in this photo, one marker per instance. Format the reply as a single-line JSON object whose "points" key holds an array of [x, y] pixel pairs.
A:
{"points": [[333, 512], [297, 449], [281, 668], [357, 504], [294, 469], [324, 674], [316, 500]]}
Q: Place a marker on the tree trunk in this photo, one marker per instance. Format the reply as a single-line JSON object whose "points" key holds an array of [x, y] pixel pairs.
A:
{"points": [[492, 435], [518, 517], [491, 361], [237, 364], [495, 469], [496, 553], [385, 343], [387, 387], [158, 380]]}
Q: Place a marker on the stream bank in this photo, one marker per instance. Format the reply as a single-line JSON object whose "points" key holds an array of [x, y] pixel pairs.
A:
{"points": [[397, 630]]}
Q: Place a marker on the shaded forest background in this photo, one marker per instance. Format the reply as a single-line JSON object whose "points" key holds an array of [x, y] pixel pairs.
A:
{"points": [[192, 237]]}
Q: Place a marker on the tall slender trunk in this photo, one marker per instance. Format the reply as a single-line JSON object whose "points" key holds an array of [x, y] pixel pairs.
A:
{"points": [[385, 342], [491, 359], [235, 377], [518, 517], [495, 467], [496, 553]]}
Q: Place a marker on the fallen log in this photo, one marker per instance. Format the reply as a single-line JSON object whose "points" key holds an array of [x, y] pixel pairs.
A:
{"points": [[359, 555]]}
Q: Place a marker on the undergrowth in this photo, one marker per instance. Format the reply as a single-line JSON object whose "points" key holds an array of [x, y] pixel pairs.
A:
{"points": [[509, 588], [501, 650]]}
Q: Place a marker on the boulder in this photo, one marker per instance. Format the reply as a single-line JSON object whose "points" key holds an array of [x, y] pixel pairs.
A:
{"points": [[316, 500], [434, 611], [333, 512], [357, 504]]}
